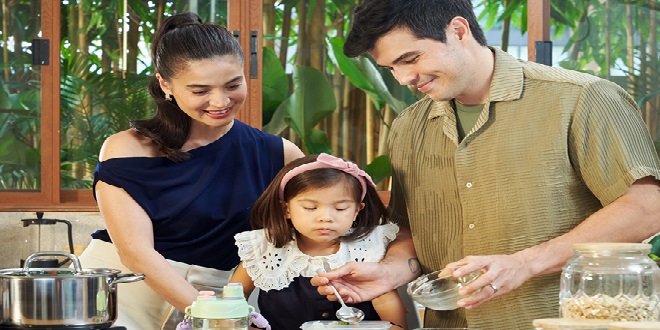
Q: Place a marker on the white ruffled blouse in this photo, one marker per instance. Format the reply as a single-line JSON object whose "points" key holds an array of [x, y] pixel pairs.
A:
{"points": [[275, 268]]}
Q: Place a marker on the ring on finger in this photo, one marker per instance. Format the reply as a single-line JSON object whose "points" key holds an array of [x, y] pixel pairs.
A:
{"points": [[494, 287]]}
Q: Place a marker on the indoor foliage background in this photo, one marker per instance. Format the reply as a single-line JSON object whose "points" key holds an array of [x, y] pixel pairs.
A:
{"points": [[312, 94]]}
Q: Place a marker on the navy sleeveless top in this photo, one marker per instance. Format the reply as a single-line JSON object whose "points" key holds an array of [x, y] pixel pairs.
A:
{"points": [[198, 205]]}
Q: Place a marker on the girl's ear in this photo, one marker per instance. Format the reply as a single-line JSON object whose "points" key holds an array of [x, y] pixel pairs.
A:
{"points": [[164, 85], [285, 210], [359, 208]]}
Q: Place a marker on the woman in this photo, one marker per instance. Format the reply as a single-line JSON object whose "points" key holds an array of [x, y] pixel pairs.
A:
{"points": [[174, 189]]}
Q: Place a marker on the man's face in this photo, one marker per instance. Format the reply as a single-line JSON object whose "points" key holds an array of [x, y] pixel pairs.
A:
{"points": [[440, 70]]}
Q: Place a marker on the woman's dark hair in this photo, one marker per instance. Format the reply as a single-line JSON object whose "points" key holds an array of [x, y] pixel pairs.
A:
{"points": [[268, 211], [181, 38], [425, 18]]}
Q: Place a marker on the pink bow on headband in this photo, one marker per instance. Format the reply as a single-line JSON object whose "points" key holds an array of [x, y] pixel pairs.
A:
{"points": [[328, 161]]}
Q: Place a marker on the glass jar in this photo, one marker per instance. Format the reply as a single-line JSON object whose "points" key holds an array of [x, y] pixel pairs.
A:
{"points": [[570, 324], [610, 281], [634, 325]]}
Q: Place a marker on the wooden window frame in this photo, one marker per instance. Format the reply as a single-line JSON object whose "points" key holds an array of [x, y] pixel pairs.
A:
{"points": [[245, 16]]}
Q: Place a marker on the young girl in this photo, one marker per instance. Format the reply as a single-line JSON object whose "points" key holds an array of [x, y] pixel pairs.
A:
{"points": [[319, 212]]}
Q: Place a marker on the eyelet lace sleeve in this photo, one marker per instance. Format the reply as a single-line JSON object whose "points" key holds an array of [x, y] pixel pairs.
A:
{"points": [[275, 268]]}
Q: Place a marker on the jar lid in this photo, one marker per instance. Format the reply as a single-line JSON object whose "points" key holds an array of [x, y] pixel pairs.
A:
{"points": [[564, 323], [208, 306], [634, 325], [611, 246]]}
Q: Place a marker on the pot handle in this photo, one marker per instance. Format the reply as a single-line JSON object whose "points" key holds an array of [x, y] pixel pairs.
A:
{"points": [[126, 278], [71, 256]]}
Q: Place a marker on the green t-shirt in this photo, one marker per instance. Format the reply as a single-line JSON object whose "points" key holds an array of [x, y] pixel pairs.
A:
{"points": [[466, 117]]}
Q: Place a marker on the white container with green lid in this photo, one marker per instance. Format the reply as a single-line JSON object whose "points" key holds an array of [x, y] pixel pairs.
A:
{"points": [[230, 312]]}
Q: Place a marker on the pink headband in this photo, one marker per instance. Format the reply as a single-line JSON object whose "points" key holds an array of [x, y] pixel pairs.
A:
{"points": [[329, 161]]}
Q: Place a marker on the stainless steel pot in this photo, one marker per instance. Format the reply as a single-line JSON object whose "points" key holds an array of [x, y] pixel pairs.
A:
{"points": [[60, 297]]}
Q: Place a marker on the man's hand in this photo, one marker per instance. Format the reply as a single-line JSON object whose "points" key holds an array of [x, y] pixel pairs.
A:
{"points": [[355, 282], [501, 274]]}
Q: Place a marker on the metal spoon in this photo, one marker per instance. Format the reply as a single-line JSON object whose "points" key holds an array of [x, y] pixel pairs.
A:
{"points": [[345, 313]]}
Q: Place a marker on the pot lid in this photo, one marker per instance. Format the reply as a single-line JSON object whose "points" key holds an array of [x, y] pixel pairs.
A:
{"points": [[56, 272]]}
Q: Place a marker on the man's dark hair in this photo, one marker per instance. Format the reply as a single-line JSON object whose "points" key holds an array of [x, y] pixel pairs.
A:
{"points": [[425, 18]]}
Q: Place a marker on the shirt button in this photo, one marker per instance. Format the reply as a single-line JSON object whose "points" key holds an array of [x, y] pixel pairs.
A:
{"points": [[471, 226], [469, 184]]}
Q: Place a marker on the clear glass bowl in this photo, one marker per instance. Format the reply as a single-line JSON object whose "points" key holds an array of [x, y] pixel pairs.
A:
{"points": [[610, 281], [439, 292]]}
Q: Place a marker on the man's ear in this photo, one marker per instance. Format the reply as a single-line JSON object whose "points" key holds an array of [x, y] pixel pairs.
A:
{"points": [[164, 85], [459, 26]]}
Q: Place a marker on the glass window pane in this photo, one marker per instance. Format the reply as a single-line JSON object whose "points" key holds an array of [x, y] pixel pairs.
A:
{"points": [[105, 72], [307, 78], [20, 98], [618, 41]]}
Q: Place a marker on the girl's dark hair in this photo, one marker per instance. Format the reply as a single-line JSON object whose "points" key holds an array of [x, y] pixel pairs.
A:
{"points": [[268, 211], [425, 18], [181, 38]]}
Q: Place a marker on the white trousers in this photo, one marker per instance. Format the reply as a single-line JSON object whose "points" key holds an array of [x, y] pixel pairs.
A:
{"points": [[138, 306]]}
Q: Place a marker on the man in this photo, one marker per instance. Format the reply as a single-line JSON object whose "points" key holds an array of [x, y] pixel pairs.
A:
{"points": [[500, 168]]}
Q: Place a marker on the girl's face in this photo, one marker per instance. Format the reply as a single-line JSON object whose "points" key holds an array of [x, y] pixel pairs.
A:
{"points": [[210, 91], [321, 216]]}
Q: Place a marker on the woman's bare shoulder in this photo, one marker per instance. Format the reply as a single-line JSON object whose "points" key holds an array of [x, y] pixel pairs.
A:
{"points": [[291, 151], [128, 143]]}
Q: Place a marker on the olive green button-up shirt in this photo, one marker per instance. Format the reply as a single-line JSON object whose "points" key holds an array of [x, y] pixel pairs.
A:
{"points": [[550, 148]]}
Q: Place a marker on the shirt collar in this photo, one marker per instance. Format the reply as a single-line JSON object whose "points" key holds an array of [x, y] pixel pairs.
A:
{"points": [[506, 85]]}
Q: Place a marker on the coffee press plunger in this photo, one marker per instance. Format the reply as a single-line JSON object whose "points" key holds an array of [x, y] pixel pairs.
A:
{"points": [[39, 221]]}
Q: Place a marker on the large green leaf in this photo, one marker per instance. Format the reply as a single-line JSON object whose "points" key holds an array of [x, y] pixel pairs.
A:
{"points": [[364, 75], [5, 103], [277, 123], [311, 101], [379, 169], [655, 245], [12, 151], [351, 70], [275, 84], [317, 142]]}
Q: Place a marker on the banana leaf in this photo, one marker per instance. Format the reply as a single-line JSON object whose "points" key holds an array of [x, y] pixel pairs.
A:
{"points": [[312, 100]]}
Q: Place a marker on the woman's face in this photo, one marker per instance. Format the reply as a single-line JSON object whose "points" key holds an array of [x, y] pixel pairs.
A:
{"points": [[210, 91]]}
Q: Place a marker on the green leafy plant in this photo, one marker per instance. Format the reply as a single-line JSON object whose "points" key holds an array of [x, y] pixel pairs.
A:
{"points": [[655, 248]]}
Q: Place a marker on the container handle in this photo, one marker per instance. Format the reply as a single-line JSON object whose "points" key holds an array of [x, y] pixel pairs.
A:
{"points": [[37, 255]]}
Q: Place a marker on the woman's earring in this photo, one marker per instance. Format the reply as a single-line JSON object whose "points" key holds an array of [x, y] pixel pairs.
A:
{"points": [[168, 97]]}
